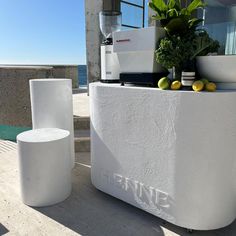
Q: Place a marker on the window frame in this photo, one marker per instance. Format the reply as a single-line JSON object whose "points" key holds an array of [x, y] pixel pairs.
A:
{"points": [[137, 6]]}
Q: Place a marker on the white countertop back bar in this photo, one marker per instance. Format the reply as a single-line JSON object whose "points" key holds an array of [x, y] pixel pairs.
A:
{"points": [[170, 153]]}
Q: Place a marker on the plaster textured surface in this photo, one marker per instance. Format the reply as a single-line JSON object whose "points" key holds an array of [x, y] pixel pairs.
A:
{"points": [[93, 38], [14, 93], [170, 153], [67, 71], [52, 106], [45, 166], [86, 212]]}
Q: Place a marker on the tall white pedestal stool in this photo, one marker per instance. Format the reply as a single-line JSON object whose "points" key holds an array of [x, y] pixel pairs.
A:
{"points": [[44, 166], [52, 106]]}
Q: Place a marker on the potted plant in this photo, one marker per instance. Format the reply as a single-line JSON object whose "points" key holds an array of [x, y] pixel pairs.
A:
{"points": [[174, 18], [183, 40], [180, 52]]}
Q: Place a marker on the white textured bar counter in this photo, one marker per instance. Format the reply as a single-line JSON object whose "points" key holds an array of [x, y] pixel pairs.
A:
{"points": [[170, 153]]}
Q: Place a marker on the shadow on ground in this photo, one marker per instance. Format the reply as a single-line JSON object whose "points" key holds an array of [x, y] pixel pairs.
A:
{"points": [[89, 211], [3, 230]]}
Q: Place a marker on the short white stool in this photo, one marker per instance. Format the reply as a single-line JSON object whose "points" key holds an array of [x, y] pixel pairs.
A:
{"points": [[44, 166], [52, 106]]}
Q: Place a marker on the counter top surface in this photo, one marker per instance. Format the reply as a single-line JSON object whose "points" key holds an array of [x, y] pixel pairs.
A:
{"points": [[116, 85]]}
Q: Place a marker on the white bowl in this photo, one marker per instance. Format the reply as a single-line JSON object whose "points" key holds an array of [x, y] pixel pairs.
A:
{"points": [[219, 69]]}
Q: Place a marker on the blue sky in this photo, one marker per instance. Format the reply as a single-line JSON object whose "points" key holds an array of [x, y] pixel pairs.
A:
{"points": [[47, 31], [42, 32]]}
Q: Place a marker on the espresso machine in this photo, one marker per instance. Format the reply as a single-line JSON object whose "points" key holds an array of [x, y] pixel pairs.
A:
{"points": [[135, 50], [110, 22]]}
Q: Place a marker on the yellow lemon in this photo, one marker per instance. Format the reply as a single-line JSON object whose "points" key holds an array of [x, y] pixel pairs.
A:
{"points": [[211, 87], [164, 83], [176, 85], [198, 86]]}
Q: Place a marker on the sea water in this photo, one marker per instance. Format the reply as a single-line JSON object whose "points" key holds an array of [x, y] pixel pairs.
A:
{"points": [[82, 69]]}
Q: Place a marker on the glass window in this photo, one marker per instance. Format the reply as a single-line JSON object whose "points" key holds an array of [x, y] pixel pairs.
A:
{"points": [[134, 13], [220, 22], [132, 16]]}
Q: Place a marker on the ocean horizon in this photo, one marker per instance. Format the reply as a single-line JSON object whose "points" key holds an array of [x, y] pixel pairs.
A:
{"points": [[82, 75]]}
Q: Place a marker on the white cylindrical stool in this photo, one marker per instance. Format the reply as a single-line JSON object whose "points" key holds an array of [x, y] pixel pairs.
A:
{"points": [[44, 166], [52, 106]]}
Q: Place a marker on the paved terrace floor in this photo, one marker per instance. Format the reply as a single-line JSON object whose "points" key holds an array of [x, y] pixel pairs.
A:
{"points": [[86, 212], [80, 103]]}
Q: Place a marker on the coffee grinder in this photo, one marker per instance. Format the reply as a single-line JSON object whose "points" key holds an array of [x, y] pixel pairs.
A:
{"points": [[110, 22]]}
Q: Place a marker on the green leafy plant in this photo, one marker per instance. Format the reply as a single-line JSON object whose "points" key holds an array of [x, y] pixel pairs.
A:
{"points": [[173, 52], [180, 52], [174, 18], [183, 41]]}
